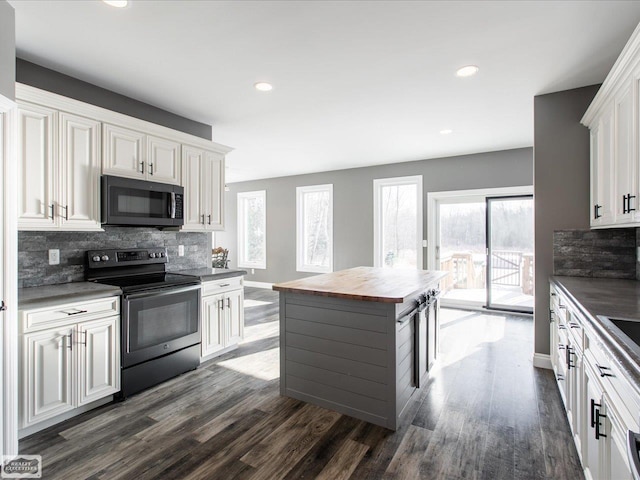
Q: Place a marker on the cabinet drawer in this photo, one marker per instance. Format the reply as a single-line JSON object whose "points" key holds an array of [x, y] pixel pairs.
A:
{"points": [[32, 320], [612, 379], [214, 287]]}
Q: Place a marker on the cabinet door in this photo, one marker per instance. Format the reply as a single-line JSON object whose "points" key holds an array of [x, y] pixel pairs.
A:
{"points": [[80, 167], [602, 143], [99, 359], [234, 307], [574, 384], [213, 190], [626, 190], [616, 464], [212, 324], [123, 152], [36, 167], [163, 160], [47, 375], [592, 451], [191, 181]]}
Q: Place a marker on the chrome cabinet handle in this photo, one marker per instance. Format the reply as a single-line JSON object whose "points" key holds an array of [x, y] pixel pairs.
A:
{"points": [[602, 372], [78, 311], [66, 211], [142, 166], [70, 346], [151, 169], [224, 284], [220, 304], [228, 302]]}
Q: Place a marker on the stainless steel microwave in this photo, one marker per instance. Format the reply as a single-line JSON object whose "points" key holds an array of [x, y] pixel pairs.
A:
{"points": [[131, 202]]}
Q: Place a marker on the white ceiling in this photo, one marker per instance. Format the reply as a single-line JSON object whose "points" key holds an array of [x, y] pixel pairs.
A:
{"points": [[355, 82]]}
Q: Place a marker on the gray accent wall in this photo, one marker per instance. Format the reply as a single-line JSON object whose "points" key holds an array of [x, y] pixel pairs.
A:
{"points": [[560, 185], [353, 204], [33, 257], [7, 50], [56, 82], [606, 253]]}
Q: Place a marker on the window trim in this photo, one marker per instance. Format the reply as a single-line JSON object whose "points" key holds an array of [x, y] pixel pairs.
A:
{"points": [[300, 192], [241, 198], [377, 216]]}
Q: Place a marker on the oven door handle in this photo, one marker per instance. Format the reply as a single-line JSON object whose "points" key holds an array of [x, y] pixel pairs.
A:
{"points": [[161, 292]]}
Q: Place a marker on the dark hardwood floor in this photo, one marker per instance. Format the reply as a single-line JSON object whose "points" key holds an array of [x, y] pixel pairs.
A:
{"points": [[485, 413]]}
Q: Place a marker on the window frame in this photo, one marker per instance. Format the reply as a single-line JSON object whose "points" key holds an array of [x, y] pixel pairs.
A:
{"points": [[241, 198], [378, 183], [300, 260]]}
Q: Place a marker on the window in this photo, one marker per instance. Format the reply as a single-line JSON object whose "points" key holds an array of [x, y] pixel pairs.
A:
{"points": [[314, 214], [252, 229], [397, 222]]}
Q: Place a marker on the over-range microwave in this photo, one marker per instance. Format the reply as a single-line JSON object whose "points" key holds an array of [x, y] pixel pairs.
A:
{"points": [[131, 202]]}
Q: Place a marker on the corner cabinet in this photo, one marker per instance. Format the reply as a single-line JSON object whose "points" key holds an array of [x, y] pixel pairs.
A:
{"points": [[59, 164], [613, 119], [222, 316], [599, 402], [203, 182], [69, 358]]}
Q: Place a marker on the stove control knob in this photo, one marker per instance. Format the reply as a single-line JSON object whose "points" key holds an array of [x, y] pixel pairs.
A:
{"points": [[161, 254], [105, 258], [96, 258], [152, 255]]}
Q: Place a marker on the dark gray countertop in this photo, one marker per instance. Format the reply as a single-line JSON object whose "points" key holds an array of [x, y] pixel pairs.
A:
{"points": [[609, 298], [208, 273], [51, 295]]}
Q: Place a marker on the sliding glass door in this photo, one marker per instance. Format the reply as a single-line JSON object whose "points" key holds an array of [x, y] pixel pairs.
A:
{"points": [[510, 253], [485, 242]]}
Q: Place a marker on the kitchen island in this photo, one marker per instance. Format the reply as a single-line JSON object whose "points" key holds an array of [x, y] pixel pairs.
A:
{"points": [[359, 341]]}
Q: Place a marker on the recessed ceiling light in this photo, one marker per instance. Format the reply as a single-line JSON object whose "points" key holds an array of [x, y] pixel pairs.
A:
{"points": [[446, 131], [263, 86], [117, 3], [467, 71]]}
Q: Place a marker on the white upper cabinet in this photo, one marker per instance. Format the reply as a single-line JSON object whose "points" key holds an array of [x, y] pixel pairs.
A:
{"points": [[123, 152], [80, 164], [59, 170], [203, 182], [612, 119], [65, 145], [36, 152], [128, 153], [164, 160]]}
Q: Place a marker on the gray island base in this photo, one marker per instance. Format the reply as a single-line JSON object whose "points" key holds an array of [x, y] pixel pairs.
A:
{"points": [[359, 341]]}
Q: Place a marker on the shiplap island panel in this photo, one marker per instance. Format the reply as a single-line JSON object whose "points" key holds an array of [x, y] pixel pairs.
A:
{"points": [[350, 340]]}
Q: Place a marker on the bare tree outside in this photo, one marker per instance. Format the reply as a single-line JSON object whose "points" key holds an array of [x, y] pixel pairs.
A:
{"points": [[316, 228], [399, 224]]}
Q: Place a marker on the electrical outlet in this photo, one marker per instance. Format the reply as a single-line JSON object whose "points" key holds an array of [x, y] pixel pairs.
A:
{"points": [[54, 257], [181, 250]]}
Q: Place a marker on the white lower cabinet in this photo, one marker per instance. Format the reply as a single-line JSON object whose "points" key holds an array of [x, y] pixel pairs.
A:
{"points": [[600, 408], [222, 317], [68, 365]]}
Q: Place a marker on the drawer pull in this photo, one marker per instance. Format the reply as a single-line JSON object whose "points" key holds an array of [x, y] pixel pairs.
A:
{"points": [[602, 372], [77, 312], [562, 327], [559, 377], [574, 325], [224, 284]]}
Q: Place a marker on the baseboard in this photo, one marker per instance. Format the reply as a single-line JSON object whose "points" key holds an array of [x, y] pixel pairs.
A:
{"points": [[542, 360], [249, 283]]}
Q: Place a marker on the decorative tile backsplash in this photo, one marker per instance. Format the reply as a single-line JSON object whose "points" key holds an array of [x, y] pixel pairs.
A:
{"points": [[33, 257], [607, 253]]}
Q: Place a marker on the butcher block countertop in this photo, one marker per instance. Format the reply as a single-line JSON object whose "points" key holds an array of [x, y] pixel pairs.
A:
{"points": [[370, 284]]}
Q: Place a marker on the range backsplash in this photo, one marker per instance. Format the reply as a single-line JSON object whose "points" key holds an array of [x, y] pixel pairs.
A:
{"points": [[33, 256], [607, 253]]}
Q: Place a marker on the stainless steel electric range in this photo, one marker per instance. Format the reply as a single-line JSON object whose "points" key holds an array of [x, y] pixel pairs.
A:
{"points": [[160, 315]]}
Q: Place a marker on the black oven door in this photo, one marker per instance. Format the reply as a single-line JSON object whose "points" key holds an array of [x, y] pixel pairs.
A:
{"points": [[159, 322], [127, 201]]}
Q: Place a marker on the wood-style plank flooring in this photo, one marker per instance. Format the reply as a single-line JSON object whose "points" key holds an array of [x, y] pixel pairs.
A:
{"points": [[485, 413]]}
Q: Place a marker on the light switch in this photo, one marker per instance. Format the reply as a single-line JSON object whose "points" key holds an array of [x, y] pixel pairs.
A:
{"points": [[54, 257]]}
